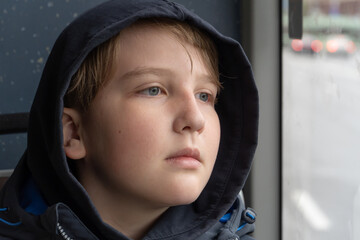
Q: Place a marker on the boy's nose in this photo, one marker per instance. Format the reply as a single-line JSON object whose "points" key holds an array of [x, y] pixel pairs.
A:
{"points": [[189, 116]]}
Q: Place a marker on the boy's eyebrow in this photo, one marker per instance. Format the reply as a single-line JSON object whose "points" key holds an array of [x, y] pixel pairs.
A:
{"points": [[139, 71], [146, 70]]}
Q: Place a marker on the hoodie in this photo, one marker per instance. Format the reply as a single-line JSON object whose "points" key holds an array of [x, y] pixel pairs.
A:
{"points": [[43, 200]]}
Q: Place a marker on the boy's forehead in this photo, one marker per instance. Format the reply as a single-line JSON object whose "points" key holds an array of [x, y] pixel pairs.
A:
{"points": [[151, 68], [154, 31], [161, 72]]}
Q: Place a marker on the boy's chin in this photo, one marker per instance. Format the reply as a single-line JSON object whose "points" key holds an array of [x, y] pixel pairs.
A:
{"points": [[182, 197], [185, 200], [184, 192], [179, 202]]}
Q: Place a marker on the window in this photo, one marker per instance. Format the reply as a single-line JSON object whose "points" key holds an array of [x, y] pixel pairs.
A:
{"points": [[28, 30], [320, 116]]}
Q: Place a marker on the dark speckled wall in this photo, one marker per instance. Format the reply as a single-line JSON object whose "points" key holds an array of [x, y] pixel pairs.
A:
{"points": [[28, 29]]}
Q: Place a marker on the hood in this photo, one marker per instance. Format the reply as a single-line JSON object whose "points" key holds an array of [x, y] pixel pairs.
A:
{"points": [[237, 108]]}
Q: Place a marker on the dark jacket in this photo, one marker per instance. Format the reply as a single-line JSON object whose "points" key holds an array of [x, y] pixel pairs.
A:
{"points": [[43, 199]]}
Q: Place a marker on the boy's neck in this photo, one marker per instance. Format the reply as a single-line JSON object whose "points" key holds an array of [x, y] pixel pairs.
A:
{"points": [[133, 224], [131, 218]]}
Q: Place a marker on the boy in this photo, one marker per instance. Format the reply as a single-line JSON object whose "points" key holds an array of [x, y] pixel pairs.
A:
{"points": [[124, 132]]}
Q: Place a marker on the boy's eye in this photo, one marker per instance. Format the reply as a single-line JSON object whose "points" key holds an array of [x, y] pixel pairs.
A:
{"points": [[152, 91], [203, 96]]}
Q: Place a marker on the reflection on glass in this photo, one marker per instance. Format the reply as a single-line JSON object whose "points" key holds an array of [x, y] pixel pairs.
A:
{"points": [[12, 147], [321, 123], [28, 30]]}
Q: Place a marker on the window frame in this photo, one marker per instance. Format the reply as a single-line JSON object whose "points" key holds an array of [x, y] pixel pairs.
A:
{"points": [[265, 55]]}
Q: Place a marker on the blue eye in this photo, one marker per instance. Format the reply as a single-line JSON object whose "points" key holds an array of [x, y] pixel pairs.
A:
{"points": [[152, 91], [203, 96]]}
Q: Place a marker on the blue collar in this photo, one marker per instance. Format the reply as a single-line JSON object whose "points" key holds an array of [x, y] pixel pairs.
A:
{"points": [[31, 200]]}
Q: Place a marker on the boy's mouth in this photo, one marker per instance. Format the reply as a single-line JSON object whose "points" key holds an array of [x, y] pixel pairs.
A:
{"points": [[188, 158]]}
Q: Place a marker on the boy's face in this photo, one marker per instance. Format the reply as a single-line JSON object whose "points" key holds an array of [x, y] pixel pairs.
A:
{"points": [[152, 134]]}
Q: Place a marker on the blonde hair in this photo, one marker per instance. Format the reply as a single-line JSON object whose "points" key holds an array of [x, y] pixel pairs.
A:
{"points": [[97, 67]]}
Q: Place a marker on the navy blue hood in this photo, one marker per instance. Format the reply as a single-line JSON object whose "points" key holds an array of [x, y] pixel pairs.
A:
{"points": [[237, 107]]}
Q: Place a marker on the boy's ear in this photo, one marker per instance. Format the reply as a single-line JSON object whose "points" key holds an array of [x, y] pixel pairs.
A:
{"points": [[73, 143]]}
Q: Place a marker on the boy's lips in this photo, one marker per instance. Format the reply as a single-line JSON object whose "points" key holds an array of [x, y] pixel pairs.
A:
{"points": [[185, 158]]}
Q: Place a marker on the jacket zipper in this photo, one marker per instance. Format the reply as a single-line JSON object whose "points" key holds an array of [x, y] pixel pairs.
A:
{"points": [[62, 232]]}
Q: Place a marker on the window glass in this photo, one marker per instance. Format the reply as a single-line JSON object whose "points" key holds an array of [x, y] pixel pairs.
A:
{"points": [[321, 123], [28, 29]]}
